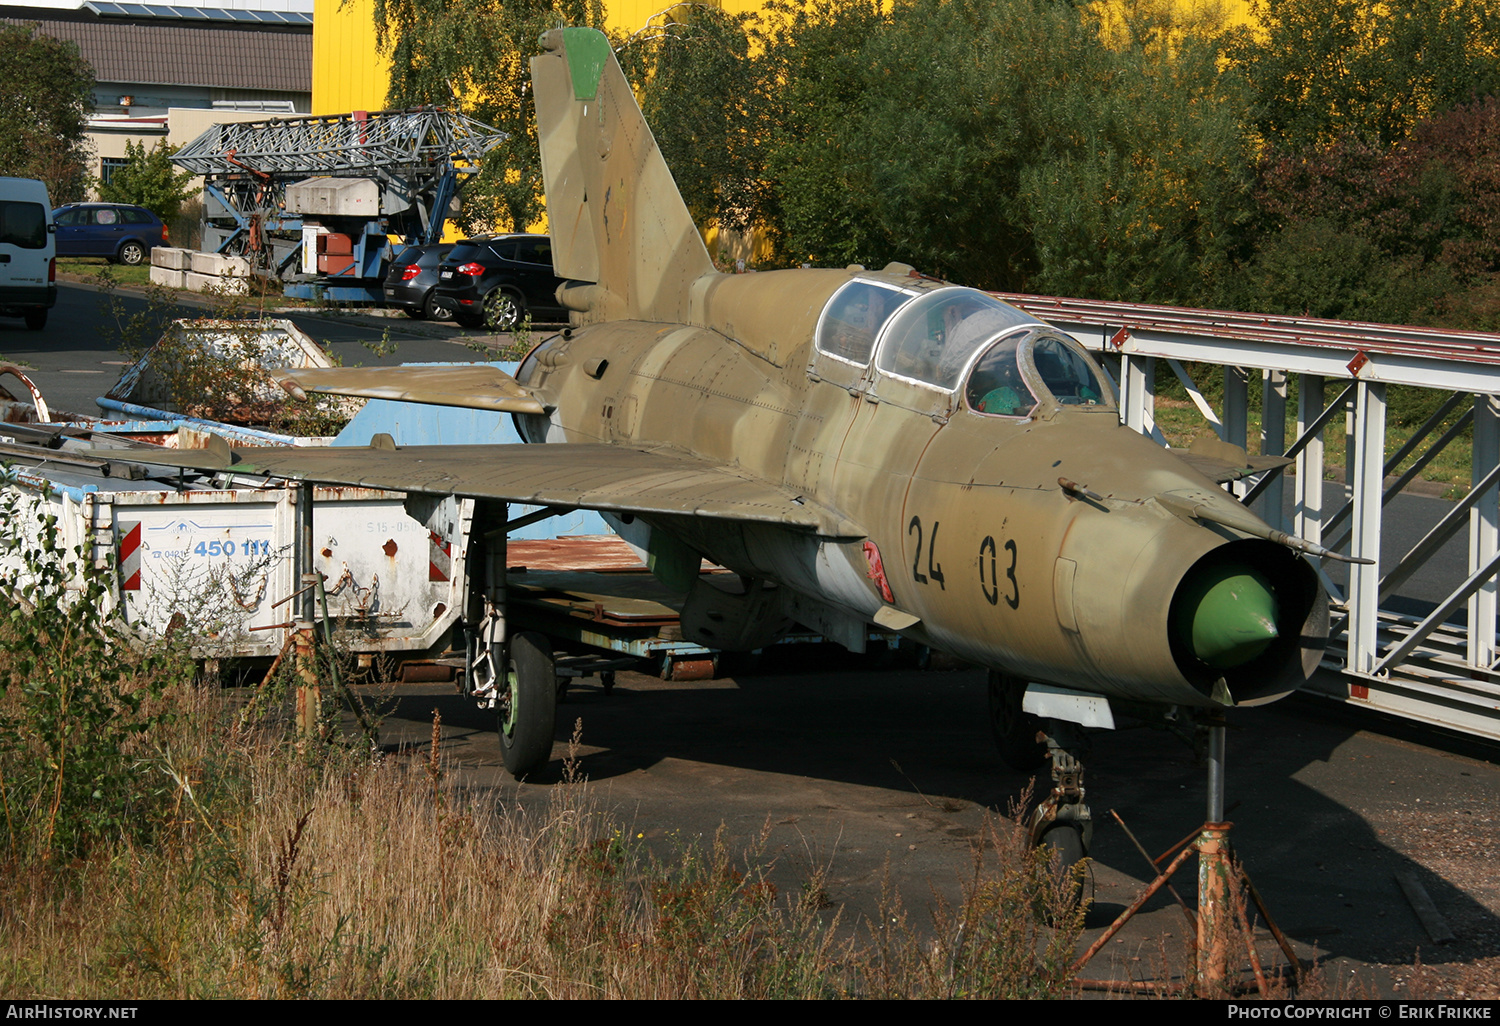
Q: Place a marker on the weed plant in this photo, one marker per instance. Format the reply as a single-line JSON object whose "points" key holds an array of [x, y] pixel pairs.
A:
{"points": [[285, 869], [82, 704]]}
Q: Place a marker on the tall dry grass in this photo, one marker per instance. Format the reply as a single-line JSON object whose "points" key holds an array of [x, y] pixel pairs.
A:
{"points": [[289, 869]]}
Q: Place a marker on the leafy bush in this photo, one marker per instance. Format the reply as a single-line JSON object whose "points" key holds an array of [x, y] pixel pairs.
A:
{"points": [[148, 179], [79, 697]]}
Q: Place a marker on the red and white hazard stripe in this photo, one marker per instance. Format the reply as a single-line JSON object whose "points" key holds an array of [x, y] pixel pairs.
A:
{"points": [[439, 557], [130, 554]]}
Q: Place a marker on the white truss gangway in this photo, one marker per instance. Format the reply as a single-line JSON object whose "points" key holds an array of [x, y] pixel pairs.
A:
{"points": [[1440, 667]]}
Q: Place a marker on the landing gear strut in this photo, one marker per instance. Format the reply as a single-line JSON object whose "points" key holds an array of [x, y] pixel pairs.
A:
{"points": [[516, 676], [1062, 821]]}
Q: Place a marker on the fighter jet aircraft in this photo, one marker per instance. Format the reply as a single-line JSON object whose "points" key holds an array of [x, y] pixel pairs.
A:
{"points": [[858, 446]]}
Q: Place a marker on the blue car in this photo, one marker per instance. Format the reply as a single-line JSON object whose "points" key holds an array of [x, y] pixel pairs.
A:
{"points": [[119, 232]]}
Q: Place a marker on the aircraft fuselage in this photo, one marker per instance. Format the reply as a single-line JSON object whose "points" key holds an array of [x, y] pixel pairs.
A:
{"points": [[1028, 543]]}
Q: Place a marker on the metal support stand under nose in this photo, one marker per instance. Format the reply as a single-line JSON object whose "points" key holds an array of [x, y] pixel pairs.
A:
{"points": [[1222, 912]]}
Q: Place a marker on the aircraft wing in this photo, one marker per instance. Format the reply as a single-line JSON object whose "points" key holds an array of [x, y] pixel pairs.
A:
{"points": [[1225, 461], [1222, 471], [615, 478], [475, 386]]}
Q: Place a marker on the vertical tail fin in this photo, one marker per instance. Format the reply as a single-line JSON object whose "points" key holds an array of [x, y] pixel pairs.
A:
{"points": [[616, 217]]}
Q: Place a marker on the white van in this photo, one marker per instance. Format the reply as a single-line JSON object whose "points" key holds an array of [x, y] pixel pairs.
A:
{"points": [[28, 251]]}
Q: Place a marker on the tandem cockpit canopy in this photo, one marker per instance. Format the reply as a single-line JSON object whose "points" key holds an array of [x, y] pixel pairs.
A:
{"points": [[930, 341], [1009, 376]]}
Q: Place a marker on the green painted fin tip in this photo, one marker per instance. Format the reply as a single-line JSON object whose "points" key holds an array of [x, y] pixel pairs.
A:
{"points": [[588, 51]]}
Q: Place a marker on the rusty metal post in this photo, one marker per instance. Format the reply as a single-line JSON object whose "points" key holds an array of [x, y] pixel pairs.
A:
{"points": [[309, 699], [1216, 734], [1135, 906], [1215, 868], [1216, 896]]}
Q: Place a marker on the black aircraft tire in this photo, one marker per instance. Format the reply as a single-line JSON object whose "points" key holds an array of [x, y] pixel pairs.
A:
{"points": [[1014, 730], [528, 712], [1066, 842]]}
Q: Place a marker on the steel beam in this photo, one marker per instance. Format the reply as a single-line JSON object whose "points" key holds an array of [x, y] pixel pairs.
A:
{"points": [[1307, 496], [420, 142], [1366, 465], [1484, 536], [1273, 443], [1236, 406], [1138, 394]]}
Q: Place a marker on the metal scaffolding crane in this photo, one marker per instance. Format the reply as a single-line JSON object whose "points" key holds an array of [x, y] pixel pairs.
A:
{"points": [[314, 200]]}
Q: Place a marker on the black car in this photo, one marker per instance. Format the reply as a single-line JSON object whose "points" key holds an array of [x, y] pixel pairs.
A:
{"points": [[119, 232], [412, 281], [494, 281]]}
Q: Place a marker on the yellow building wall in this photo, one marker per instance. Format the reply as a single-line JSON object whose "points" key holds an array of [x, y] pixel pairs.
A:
{"points": [[629, 16], [1190, 17], [349, 72]]}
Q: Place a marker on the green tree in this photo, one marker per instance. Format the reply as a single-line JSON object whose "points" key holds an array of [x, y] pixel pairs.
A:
{"points": [[148, 179], [1012, 144], [1405, 233], [475, 54], [692, 70], [1321, 69], [811, 78], [48, 90]]}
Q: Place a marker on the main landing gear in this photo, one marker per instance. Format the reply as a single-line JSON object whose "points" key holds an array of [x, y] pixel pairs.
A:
{"points": [[513, 674], [518, 679]]}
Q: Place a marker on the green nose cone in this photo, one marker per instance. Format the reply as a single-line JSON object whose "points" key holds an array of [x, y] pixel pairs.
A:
{"points": [[1227, 616]]}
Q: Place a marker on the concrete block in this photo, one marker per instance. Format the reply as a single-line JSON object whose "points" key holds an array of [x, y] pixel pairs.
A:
{"points": [[171, 257], [171, 277], [214, 263], [217, 283]]}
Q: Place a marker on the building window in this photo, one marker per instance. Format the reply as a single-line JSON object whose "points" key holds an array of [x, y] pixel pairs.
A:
{"points": [[108, 166]]}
